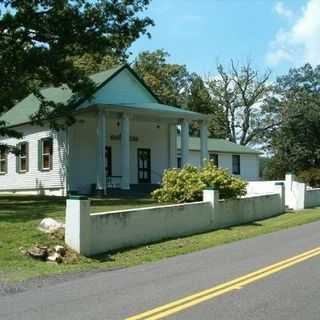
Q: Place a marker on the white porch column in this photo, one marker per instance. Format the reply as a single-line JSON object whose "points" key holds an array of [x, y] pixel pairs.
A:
{"points": [[67, 161], [204, 155], [125, 152], [184, 142], [172, 146], [101, 159]]}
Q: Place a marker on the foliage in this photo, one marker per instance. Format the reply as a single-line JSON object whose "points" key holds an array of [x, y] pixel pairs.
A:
{"points": [[199, 100], [237, 100], [170, 82], [296, 142], [40, 39], [311, 177], [187, 184], [93, 63], [274, 169]]}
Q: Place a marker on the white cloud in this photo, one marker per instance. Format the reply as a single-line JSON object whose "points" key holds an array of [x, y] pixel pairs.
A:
{"points": [[282, 10], [300, 43]]}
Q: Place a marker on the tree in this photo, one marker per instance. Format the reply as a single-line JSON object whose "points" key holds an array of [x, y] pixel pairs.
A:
{"points": [[238, 98], [296, 142], [170, 82], [200, 100], [93, 63], [39, 40]]}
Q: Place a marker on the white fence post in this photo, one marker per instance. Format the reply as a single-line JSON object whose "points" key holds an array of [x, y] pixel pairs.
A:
{"points": [[210, 195], [295, 193], [281, 187], [78, 224], [299, 192]]}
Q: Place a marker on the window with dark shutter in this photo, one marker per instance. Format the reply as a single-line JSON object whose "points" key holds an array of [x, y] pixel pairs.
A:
{"points": [[236, 164], [3, 160], [45, 153], [23, 157]]}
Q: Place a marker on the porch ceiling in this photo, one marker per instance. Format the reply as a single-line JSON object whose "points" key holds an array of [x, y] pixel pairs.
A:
{"points": [[155, 110]]}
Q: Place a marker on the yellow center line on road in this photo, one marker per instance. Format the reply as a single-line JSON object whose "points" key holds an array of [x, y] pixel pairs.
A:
{"points": [[235, 284]]}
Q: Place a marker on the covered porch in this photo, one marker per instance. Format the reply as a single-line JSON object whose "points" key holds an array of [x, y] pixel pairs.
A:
{"points": [[135, 143]]}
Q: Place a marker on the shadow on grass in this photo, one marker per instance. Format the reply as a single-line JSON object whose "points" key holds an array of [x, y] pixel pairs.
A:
{"points": [[120, 202], [14, 209], [248, 224], [26, 208]]}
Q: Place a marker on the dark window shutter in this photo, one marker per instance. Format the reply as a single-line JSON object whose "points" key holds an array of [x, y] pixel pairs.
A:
{"points": [[27, 156], [17, 159], [40, 155], [6, 163], [51, 153]]}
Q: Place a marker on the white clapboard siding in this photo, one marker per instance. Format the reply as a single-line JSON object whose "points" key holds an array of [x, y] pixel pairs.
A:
{"points": [[35, 179], [124, 88], [249, 163]]}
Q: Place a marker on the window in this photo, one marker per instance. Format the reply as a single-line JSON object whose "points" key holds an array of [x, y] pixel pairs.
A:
{"points": [[23, 157], [214, 158], [179, 163], [236, 164], [45, 154], [3, 160]]}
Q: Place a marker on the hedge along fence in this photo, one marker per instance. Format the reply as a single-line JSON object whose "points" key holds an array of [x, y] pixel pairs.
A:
{"points": [[91, 234]]}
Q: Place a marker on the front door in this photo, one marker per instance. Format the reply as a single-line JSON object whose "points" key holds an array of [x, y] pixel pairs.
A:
{"points": [[144, 165], [108, 156]]}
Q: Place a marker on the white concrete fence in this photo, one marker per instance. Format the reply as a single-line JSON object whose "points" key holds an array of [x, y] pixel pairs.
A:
{"points": [[95, 233], [297, 195]]}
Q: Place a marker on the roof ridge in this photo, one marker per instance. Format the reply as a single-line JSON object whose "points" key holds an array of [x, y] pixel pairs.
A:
{"points": [[91, 75], [119, 66]]}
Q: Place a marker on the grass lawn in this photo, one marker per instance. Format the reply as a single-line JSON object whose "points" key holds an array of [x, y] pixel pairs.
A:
{"points": [[20, 216]]}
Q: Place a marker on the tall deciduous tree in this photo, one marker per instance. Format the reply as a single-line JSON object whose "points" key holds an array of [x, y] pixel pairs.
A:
{"points": [[296, 142], [238, 98], [40, 38], [200, 99], [170, 82]]}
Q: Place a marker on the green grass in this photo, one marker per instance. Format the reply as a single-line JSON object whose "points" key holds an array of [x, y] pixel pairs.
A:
{"points": [[20, 216]]}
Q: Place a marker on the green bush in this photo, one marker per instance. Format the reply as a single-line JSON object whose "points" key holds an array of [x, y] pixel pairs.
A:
{"points": [[187, 184], [311, 177]]}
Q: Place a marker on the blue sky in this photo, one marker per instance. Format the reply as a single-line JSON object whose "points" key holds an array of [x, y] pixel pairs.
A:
{"points": [[270, 33]]}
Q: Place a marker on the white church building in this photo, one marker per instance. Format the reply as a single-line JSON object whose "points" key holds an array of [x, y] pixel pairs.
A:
{"points": [[123, 137]]}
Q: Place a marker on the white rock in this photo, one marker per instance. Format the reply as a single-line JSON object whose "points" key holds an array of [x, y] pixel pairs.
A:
{"points": [[60, 250], [55, 257], [50, 225]]}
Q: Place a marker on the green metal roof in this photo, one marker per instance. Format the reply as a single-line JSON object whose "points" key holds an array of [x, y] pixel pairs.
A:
{"points": [[22, 111], [219, 145]]}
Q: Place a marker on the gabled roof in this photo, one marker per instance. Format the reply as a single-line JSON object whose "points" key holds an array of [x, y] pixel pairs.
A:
{"points": [[219, 145], [23, 110]]}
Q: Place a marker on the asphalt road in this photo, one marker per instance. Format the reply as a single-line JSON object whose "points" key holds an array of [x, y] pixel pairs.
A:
{"points": [[293, 293]]}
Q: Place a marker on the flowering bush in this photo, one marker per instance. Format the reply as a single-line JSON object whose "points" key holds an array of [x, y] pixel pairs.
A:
{"points": [[187, 184]]}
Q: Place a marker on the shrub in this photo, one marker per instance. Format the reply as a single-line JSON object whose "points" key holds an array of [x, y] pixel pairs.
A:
{"points": [[311, 177], [187, 184]]}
